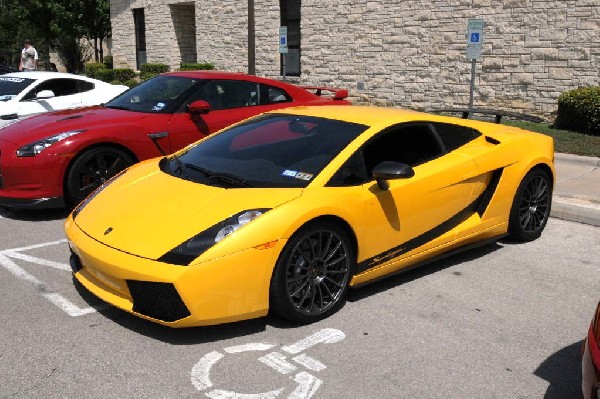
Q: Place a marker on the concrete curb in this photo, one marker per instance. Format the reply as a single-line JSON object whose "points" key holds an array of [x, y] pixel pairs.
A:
{"points": [[577, 159], [575, 212]]}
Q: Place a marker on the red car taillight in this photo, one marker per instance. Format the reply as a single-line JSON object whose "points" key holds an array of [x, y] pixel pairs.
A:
{"points": [[596, 325], [1, 181]]}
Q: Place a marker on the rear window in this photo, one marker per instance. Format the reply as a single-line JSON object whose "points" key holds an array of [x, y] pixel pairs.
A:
{"points": [[455, 136]]}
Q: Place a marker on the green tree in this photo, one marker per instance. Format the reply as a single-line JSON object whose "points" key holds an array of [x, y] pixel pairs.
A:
{"points": [[52, 24], [92, 21]]}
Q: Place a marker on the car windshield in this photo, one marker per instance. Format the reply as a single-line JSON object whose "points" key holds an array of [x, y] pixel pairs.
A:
{"points": [[157, 95], [10, 87], [272, 150]]}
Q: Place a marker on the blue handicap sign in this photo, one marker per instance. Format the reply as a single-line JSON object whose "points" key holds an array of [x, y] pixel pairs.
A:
{"points": [[475, 37], [282, 41]]}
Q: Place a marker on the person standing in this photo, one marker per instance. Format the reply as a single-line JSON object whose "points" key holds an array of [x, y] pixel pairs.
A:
{"points": [[29, 57]]}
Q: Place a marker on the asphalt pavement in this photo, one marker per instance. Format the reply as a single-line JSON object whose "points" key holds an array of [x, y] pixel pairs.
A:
{"points": [[577, 189]]}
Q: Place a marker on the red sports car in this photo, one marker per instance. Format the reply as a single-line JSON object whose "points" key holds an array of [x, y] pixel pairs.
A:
{"points": [[57, 159], [591, 360]]}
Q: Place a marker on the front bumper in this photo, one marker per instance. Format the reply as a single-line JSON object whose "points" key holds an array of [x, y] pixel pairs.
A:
{"points": [[590, 368], [33, 203], [31, 182], [231, 288]]}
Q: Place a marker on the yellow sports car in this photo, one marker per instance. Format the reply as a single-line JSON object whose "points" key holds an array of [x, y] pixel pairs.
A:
{"points": [[285, 211]]}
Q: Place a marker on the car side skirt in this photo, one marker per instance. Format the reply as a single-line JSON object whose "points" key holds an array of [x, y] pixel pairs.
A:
{"points": [[433, 259]]}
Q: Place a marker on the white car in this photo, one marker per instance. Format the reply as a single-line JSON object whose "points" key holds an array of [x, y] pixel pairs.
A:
{"points": [[23, 94]]}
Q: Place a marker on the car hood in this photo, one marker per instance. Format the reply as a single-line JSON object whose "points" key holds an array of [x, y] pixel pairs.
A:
{"points": [[147, 213], [48, 124]]}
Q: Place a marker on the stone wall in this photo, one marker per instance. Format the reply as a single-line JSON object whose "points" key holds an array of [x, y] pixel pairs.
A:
{"points": [[408, 53]]}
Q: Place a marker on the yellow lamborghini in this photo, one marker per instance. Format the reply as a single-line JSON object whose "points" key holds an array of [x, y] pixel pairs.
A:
{"points": [[286, 211]]}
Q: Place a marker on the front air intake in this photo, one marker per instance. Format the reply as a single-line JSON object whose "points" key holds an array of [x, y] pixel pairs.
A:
{"points": [[157, 300]]}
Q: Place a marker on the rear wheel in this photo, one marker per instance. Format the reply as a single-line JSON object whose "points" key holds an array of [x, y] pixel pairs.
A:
{"points": [[531, 206], [92, 168], [311, 277]]}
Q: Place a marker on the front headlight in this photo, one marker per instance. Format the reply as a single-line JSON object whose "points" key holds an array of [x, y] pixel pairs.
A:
{"points": [[190, 249], [32, 149]]}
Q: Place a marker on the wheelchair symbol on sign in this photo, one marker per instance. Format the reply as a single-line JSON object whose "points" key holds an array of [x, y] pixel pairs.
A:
{"points": [[307, 384]]}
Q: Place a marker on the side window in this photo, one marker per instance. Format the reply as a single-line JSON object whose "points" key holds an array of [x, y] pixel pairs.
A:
{"points": [[225, 94], [412, 144], [352, 172], [273, 95], [60, 87], [454, 136], [83, 86]]}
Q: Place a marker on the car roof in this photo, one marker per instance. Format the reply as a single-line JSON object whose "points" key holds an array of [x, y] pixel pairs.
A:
{"points": [[212, 74], [209, 73], [365, 115], [383, 116], [43, 75]]}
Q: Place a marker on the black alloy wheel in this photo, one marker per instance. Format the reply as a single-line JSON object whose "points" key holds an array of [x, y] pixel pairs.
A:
{"points": [[91, 169], [312, 275], [531, 207]]}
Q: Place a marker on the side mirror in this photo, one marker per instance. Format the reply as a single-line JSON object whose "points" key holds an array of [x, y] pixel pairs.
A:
{"points": [[389, 170], [198, 107], [44, 94]]}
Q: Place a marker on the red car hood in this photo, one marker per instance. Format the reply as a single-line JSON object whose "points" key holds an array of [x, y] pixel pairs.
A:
{"points": [[45, 125]]}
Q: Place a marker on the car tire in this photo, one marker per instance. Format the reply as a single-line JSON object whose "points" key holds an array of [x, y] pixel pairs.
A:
{"points": [[311, 277], [92, 168], [531, 206]]}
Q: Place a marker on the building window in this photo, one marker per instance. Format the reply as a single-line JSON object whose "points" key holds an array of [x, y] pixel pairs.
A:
{"points": [[140, 36], [184, 22], [290, 17]]}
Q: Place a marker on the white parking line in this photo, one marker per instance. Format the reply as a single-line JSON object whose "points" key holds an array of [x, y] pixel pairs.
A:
{"points": [[38, 261], [61, 302]]}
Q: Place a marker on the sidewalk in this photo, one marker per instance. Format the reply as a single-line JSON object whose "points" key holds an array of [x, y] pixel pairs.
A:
{"points": [[577, 189]]}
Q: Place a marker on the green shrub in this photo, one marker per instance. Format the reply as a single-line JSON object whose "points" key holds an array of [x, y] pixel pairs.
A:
{"points": [[92, 68], [194, 66], [148, 71], [131, 82], [579, 110], [124, 74], [108, 62], [106, 75]]}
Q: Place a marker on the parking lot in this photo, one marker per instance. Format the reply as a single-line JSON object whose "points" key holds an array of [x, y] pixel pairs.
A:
{"points": [[502, 321]]}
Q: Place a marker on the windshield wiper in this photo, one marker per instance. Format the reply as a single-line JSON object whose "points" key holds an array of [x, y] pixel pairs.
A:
{"points": [[180, 165], [117, 107], [223, 178]]}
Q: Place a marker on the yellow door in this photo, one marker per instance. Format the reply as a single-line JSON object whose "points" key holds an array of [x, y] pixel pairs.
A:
{"points": [[418, 213]]}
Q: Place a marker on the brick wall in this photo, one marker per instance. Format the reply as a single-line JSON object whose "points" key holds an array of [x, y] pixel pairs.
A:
{"points": [[408, 53]]}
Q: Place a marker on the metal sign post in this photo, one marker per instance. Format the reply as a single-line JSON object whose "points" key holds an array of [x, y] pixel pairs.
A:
{"points": [[283, 46], [474, 45]]}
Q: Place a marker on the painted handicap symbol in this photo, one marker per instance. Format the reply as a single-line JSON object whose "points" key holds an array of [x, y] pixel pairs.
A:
{"points": [[307, 384]]}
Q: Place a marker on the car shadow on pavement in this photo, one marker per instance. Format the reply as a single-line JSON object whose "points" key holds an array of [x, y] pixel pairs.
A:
{"points": [[562, 370], [205, 334], [407, 275], [28, 215]]}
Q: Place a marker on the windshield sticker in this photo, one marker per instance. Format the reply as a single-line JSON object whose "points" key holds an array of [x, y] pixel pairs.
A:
{"points": [[158, 106], [16, 80], [7, 97], [297, 175]]}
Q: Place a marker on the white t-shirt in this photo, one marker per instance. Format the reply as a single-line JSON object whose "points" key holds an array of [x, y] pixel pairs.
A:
{"points": [[28, 55]]}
